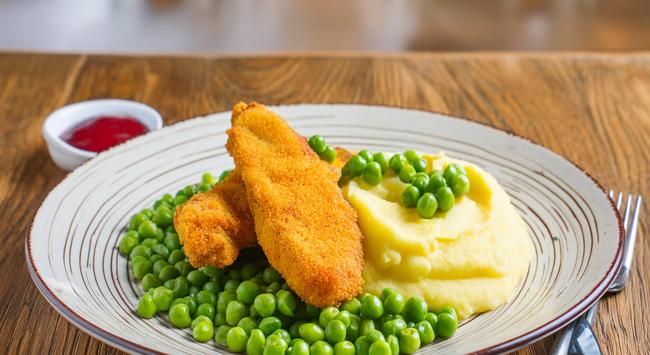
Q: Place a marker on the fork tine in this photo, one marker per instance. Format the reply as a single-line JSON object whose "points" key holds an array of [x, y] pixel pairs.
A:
{"points": [[630, 239], [619, 200], [626, 214]]}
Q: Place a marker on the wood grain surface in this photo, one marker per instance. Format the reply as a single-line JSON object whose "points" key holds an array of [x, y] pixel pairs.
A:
{"points": [[592, 108]]}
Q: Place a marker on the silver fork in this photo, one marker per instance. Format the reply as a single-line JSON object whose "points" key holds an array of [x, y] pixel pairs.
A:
{"points": [[578, 335]]}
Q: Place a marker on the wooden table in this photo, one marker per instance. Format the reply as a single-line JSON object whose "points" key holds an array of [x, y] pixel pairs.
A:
{"points": [[592, 108]]}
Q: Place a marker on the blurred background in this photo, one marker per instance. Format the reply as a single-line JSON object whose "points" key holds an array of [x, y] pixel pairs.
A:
{"points": [[261, 26]]}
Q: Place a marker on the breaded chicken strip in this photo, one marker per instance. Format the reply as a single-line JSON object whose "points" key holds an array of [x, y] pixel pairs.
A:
{"points": [[214, 225], [306, 228]]}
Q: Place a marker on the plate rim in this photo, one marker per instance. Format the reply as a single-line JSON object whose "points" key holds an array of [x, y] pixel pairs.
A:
{"points": [[515, 343]]}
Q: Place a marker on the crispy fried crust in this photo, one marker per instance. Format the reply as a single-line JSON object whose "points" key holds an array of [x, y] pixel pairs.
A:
{"points": [[306, 228], [214, 225]]}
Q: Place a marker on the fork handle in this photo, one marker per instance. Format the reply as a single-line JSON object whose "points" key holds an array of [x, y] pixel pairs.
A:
{"points": [[563, 340]]}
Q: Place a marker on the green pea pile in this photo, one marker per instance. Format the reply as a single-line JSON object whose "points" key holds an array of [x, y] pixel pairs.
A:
{"points": [[428, 192], [248, 307]]}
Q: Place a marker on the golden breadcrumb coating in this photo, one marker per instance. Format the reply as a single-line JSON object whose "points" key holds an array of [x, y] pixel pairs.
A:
{"points": [[306, 228], [213, 226]]}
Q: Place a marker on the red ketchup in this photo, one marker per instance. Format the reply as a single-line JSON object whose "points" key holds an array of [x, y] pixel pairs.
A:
{"points": [[100, 133]]}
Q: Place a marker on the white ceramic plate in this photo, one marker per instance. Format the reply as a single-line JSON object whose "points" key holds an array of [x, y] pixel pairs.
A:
{"points": [[72, 256]]}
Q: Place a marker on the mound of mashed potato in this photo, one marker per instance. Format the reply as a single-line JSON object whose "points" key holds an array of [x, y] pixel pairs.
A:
{"points": [[471, 258]]}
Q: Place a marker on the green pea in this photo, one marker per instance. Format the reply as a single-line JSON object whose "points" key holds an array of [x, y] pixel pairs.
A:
{"points": [[317, 144], [294, 330], [344, 348], [219, 319], [326, 315], [446, 326], [213, 272], [448, 309], [282, 334], [136, 220], [270, 324], [161, 250], [158, 265], [371, 307], [193, 291], [224, 175], [249, 270], [344, 317], [175, 256], [170, 284], [427, 205], [142, 267], [163, 216], [393, 327], [162, 297], [140, 250], [372, 174], [411, 155], [445, 198], [147, 212], [379, 347], [234, 312], [299, 347], [375, 335], [406, 173], [221, 335], [231, 285], [409, 341], [415, 309], [436, 181], [353, 306], [329, 154], [205, 309], [180, 199], [393, 342], [365, 154], [381, 159], [206, 297], [425, 331], [311, 333], [155, 258], [420, 165], [432, 318], [335, 331], [149, 242], [197, 278], [147, 229], [208, 178], [255, 343], [236, 339], [198, 319], [460, 186], [352, 331], [410, 196], [127, 244], [211, 286], [321, 348], [396, 162], [150, 281], [270, 275], [367, 325], [355, 166], [420, 180], [264, 304], [168, 272], [160, 235], [146, 307], [362, 345], [385, 292], [394, 303], [179, 315], [189, 190], [275, 345], [247, 291], [248, 324], [286, 303], [183, 267], [224, 300]]}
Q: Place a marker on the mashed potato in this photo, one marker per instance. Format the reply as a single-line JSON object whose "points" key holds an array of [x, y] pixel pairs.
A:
{"points": [[471, 257]]}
